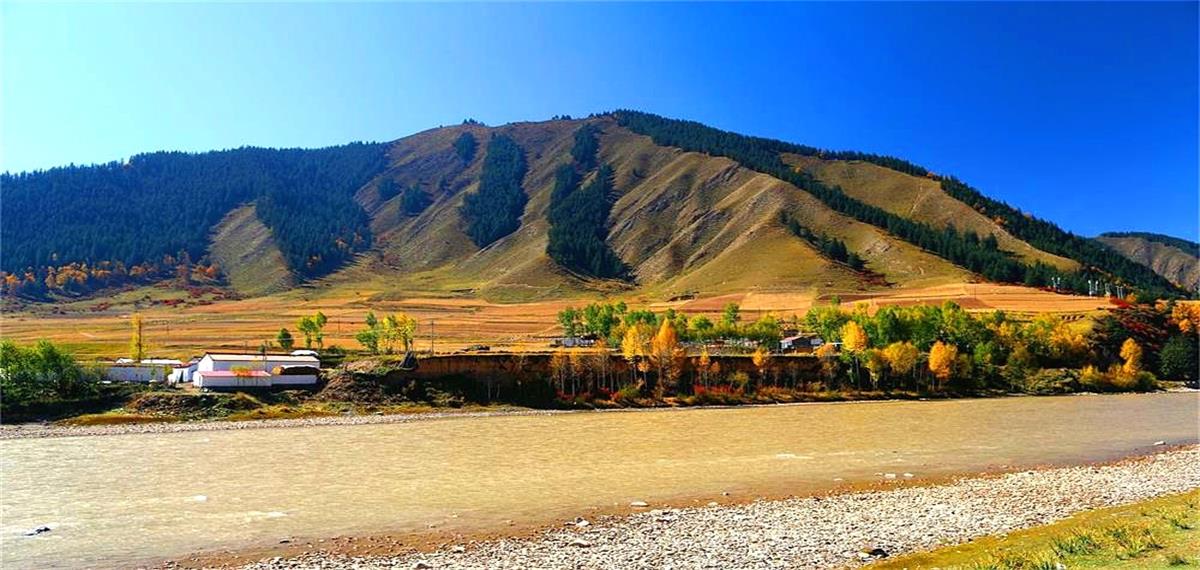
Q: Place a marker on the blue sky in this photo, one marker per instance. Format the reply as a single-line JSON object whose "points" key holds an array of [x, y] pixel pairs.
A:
{"points": [[1085, 114]]}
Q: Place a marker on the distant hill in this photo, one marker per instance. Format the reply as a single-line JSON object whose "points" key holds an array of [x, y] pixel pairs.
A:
{"points": [[625, 201], [1178, 260]]}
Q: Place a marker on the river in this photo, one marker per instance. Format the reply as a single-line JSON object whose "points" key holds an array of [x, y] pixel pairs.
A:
{"points": [[117, 499]]}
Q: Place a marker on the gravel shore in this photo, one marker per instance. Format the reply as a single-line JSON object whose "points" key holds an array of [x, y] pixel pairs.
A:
{"points": [[814, 532]]}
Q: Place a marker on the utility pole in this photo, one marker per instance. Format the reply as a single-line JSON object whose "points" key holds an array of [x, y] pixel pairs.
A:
{"points": [[431, 335]]}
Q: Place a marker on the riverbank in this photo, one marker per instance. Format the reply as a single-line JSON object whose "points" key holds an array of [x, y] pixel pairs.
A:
{"points": [[46, 430], [811, 532]]}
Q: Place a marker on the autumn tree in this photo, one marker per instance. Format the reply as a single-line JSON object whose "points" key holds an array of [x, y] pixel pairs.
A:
{"points": [[666, 353], [941, 362], [634, 346], [560, 369], [1131, 353], [854, 342], [398, 327], [901, 357], [876, 365], [762, 360], [827, 353], [137, 345], [702, 365]]}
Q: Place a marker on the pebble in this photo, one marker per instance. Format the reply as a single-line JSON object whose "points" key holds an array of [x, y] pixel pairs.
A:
{"points": [[808, 532]]}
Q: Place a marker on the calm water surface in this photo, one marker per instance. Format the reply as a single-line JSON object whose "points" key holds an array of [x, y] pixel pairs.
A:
{"points": [[117, 499]]}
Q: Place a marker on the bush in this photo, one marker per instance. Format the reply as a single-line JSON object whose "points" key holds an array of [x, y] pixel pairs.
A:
{"points": [[42, 373], [740, 381], [1092, 380], [714, 396], [1052, 381], [1178, 359], [627, 395]]}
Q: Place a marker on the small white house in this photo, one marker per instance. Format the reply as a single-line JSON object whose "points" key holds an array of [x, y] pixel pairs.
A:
{"points": [[228, 361], [184, 372], [230, 370]]}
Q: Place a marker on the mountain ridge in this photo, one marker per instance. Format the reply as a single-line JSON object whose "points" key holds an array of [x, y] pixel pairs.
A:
{"points": [[684, 215]]}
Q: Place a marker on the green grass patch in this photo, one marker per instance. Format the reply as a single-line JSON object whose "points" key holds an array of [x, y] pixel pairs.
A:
{"points": [[1159, 533]]}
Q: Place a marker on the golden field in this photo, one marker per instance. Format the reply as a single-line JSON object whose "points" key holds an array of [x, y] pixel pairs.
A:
{"points": [[99, 328]]}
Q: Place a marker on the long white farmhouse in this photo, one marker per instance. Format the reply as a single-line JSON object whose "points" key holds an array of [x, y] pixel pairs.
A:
{"points": [[233, 370]]}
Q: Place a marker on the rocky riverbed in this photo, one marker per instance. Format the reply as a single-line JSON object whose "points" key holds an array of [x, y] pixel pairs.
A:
{"points": [[813, 532]]}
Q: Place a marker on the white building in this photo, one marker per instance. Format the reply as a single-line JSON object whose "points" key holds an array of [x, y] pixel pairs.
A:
{"points": [[232, 379], [184, 372], [146, 371], [229, 370]]}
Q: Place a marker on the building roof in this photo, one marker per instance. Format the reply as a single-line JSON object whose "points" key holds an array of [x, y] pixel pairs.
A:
{"points": [[231, 374], [259, 356]]}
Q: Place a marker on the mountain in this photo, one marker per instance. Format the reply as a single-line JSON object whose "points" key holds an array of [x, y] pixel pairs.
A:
{"points": [[1177, 260], [624, 201]]}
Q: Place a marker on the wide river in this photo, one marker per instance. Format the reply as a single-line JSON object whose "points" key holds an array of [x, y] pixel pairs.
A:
{"points": [[117, 499]]}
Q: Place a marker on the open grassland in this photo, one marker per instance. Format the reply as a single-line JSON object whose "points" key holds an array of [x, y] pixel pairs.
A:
{"points": [[1159, 533], [99, 328]]}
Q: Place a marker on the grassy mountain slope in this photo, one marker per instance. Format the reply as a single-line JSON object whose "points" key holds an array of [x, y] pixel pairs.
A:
{"points": [[248, 255], [430, 252], [918, 198], [693, 222], [684, 222], [1178, 265]]}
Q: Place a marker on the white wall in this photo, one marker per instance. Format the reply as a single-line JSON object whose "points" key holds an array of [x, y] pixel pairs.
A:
{"points": [[230, 381], [136, 373]]}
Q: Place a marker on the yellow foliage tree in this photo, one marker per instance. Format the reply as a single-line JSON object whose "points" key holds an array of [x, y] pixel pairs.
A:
{"points": [[665, 352], [876, 364], [1066, 342], [634, 345], [761, 359], [941, 360], [829, 362], [854, 338], [702, 365], [1132, 353], [1186, 317], [399, 328], [137, 345], [560, 369], [901, 357], [854, 342]]}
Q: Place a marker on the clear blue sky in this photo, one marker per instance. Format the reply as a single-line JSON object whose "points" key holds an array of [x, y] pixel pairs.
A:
{"points": [[1085, 114]]}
